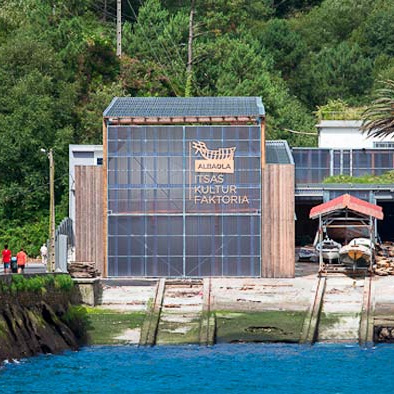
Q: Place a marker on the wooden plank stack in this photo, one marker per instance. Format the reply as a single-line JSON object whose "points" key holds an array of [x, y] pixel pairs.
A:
{"points": [[384, 259], [83, 270]]}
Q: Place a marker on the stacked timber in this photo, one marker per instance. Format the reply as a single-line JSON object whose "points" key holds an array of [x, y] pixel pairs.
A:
{"points": [[82, 270], [384, 333], [384, 259]]}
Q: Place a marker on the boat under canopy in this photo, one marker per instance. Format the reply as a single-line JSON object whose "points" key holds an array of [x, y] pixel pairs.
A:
{"points": [[343, 219]]}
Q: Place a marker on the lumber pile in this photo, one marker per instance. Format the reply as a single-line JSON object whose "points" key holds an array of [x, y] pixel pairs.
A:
{"points": [[384, 334], [384, 259], [82, 270]]}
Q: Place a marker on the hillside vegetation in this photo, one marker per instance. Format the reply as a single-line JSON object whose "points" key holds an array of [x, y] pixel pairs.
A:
{"points": [[59, 71]]}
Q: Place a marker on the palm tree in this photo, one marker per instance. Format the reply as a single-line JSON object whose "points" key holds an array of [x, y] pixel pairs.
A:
{"points": [[378, 118]]}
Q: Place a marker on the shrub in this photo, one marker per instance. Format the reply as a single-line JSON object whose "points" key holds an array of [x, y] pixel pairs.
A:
{"points": [[386, 178], [37, 284], [338, 110]]}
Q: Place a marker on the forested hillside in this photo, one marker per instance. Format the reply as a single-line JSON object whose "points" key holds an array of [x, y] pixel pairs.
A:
{"points": [[59, 70]]}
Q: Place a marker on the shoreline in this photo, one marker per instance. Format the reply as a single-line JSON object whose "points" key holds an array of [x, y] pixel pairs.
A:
{"points": [[200, 311], [229, 310]]}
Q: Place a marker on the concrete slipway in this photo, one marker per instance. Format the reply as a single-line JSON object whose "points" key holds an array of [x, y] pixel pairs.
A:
{"points": [[306, 309]]}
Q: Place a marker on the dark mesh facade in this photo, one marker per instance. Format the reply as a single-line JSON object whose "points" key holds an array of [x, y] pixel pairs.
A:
{"points": [[167, 219]]}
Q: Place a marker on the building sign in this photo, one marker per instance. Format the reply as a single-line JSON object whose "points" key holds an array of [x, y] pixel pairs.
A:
{"points": [[212, 189], [218, 160]]}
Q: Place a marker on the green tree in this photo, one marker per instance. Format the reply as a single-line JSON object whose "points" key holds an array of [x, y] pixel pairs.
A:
{"points": [[334, 73], [376, 33], [285, 45], [332, 22], [158, 40], [378, 119], [91, 114]]}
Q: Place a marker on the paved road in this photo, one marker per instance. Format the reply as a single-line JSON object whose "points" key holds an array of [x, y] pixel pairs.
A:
{"points": [[31, 268]]}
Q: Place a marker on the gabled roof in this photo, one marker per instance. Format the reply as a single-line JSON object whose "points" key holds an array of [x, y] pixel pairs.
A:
{"points": [[349, 202], [148, 107], [278, 152]]}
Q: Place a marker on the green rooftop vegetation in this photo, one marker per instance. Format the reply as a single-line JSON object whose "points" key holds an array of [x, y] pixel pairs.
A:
{"points": [[386, 178], [339, 110]]}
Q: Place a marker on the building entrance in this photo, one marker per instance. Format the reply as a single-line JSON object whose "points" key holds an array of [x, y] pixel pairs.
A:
{"points": [[385, 226]]}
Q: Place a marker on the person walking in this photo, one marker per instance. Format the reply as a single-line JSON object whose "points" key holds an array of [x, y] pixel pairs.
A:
{"points": [[44, 254], [21, 258], [6, 256]]}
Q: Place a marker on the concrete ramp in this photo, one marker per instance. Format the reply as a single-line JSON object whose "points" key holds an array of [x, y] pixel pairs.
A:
{"points": [[130, 298], [181, 313], [341, 311]]}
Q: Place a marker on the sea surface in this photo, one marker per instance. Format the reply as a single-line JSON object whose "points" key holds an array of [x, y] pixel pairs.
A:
{"points": [[242, 368]]}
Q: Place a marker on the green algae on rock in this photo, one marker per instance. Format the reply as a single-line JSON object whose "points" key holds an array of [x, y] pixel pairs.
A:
{"points": [[266, 326], [107, 326], [33, 310]]}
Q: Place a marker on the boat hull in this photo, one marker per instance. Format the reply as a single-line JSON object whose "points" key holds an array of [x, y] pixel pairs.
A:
{"points": [[355, 255], [330, 255]]}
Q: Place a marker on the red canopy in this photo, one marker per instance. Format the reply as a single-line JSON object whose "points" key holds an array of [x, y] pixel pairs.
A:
{"points": [[350, 202]]}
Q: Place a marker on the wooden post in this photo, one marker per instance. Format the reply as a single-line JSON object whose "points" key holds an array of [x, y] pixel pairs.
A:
{"points": [[105, 200], [262, 183], [320, 243], [189, 69], [119, 28], [262, 137], [371, 249], [51, 260], [105, 11]]}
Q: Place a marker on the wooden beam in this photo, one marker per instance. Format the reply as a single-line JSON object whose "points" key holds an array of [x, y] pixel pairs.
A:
{"points": [[346, 225], [236, 120], [105, 200], [262, 136]]}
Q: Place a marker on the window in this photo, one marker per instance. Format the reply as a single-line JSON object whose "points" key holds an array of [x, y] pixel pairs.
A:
{"points": [[383, 144]]}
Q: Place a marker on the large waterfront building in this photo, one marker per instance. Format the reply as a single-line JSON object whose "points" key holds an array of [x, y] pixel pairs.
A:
{"points": [[186, 191], [188, 187]]}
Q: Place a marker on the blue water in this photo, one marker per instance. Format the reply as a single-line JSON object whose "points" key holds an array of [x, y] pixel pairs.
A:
{"points": [[242, 368]]}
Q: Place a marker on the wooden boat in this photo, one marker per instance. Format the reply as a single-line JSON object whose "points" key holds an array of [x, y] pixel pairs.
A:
{"points": [[307, 253], [357, 252], [329, 249]]}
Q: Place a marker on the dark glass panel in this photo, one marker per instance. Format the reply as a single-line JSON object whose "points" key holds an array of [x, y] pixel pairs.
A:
{"points": [[151, 167]]}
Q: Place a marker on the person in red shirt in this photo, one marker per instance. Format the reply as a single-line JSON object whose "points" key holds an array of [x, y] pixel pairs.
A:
{"points": [[6, 256], [21, 257]]}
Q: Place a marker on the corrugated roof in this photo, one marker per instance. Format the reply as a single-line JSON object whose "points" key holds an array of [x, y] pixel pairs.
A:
{"points": [[350, 202], [278, 152], [184, 107]]}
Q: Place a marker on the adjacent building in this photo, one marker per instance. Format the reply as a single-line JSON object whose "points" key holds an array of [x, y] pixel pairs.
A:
{"points": [[346, 134]]}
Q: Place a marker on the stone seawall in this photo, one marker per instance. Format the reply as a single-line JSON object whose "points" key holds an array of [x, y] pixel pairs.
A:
{"points": [[35, 316]]}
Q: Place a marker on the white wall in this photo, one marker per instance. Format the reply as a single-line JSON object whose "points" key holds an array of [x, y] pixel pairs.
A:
{"points": [[344, 134]]}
